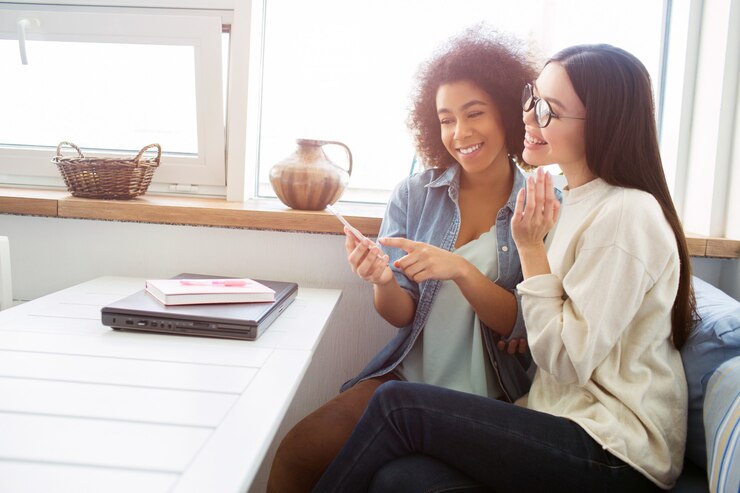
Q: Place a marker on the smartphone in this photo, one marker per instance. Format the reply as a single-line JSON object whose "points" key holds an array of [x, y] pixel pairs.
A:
{"points": [[351, 228]]}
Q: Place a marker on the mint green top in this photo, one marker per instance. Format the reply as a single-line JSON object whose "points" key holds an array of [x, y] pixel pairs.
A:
{"points": [[450, 351]]}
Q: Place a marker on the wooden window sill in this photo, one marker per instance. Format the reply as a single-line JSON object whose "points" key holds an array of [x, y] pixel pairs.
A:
{"points": [[265, 214]]}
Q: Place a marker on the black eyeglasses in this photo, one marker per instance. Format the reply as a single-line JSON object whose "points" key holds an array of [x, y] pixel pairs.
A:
{"points": [[542, 110]]}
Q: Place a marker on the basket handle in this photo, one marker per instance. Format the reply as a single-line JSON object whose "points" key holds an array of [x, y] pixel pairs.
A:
{"points": [[68, 144], [150, 146]]}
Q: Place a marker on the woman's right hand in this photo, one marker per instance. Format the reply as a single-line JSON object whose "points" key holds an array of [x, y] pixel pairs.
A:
{"points": [[367, 260]]}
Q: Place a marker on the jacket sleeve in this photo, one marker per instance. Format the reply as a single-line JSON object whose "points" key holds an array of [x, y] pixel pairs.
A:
{"points": [[519, 331], [395, 225]]}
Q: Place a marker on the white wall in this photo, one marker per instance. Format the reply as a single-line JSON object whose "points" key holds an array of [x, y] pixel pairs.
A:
{"points": [[48, 254]]}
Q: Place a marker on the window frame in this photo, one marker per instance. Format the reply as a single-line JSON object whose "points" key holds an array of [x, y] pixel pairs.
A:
{"points": [[199, 28]]}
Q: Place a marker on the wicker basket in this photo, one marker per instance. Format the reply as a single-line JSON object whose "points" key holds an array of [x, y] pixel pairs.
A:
{"points": [[106, 178]]}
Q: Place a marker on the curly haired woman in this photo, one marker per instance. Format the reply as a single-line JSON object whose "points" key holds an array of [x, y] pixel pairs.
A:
{"points": [[448, 267]]}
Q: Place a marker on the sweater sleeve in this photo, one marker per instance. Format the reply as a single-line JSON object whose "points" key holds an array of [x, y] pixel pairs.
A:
{"points": [[573, 323]]}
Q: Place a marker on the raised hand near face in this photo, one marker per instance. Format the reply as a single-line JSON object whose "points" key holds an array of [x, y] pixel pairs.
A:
{"points": [[423, 261], [531, 222]]}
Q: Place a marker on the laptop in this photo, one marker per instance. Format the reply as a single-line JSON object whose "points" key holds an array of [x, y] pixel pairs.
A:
{"points": [[247, 321]]}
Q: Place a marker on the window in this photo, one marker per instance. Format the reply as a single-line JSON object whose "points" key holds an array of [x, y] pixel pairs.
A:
{"points": [[227, 86], [701, 118], [112, 80], [343, 71]]}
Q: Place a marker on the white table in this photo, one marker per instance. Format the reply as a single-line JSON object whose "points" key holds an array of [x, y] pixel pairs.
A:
{"points": [[87, 408]]}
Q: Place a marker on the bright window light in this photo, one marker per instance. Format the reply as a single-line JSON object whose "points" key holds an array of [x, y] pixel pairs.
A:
{"points": [[338, 70], [111, 96], [112, 81]]}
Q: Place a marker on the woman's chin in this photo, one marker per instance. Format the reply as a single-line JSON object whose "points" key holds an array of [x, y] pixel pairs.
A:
{"points": [[532, 159]]}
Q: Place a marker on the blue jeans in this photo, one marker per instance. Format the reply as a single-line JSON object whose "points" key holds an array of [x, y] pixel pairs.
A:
{"points": [[419, 473], [421, 438]]}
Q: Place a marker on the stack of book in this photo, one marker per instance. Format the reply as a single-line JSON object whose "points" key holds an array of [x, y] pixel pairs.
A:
{"points": [[208, 291]]}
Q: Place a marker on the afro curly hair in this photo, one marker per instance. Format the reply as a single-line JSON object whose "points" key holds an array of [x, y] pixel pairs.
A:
{"points": [[494, 62]]}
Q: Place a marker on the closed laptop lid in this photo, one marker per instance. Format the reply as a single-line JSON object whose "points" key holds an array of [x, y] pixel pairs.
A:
{"points": [[143, 304]]}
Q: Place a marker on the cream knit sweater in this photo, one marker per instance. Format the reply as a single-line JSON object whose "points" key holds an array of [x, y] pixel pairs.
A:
{"points": [[599, 328]]}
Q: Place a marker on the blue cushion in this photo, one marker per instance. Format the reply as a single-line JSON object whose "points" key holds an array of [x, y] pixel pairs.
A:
{"points": [[722, 424], [715, 340]]}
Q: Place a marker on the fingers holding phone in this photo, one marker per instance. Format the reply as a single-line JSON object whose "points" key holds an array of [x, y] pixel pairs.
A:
{"points": [[366, 259]]}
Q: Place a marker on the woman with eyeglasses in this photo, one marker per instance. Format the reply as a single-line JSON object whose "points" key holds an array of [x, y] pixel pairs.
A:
{"points": [[448, 268], [607, 302]]}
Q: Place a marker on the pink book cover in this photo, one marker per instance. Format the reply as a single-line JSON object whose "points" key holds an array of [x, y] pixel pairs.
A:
{"points": [[199, 291]]}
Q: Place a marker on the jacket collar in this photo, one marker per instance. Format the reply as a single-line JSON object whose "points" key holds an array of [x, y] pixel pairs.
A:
{"points": [[451, 178]]}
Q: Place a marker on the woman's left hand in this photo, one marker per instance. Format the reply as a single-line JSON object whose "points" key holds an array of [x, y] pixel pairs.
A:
{"points": [[531, 222], [424, 261], [514, 346]]}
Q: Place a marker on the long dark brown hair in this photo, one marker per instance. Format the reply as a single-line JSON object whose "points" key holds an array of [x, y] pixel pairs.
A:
{"points": [[622, 144], [496, 63]]}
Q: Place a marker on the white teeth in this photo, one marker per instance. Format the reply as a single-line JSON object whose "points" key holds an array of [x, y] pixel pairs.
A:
{"points": [[532, 140], [468, 150]]}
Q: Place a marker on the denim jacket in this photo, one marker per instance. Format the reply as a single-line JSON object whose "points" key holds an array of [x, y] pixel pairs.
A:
{"points": [[424, 208]]}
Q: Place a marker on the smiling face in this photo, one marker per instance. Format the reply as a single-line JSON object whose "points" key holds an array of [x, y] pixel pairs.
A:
{"points": [[471, 127], [563, 141]]}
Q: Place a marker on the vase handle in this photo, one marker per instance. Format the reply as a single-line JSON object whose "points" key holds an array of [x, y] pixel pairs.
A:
{"points": [[349, 153]]}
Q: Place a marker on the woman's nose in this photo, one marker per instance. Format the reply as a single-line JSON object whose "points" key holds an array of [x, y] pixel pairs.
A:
{"points": [[462, 130], [528, 117]]}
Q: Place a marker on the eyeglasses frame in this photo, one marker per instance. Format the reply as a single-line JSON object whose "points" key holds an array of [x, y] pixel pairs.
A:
{"points": [[534, 101]]}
